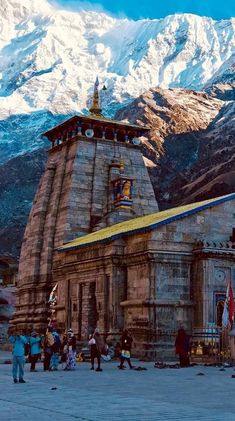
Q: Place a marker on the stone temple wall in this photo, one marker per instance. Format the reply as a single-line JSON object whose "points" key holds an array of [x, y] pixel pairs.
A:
{"points": [[177, 281], [73, 196]]}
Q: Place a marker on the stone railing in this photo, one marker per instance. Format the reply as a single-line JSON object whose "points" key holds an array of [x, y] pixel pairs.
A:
{"points": [[214, 246]]}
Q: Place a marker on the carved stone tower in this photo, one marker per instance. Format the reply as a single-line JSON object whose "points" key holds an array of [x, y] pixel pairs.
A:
{"points": [[95, 176]]}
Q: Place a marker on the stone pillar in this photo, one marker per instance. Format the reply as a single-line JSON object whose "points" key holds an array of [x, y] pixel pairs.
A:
{"points": [[100, 299], [85, 311], [118, 294]]}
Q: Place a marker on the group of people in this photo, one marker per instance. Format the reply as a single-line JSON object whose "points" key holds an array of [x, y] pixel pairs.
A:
{"points": [[57, 349], [98, 348]]}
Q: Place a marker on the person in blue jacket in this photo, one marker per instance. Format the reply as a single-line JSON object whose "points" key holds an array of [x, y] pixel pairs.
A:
{"points": [[35, 349], [18, 340], [55, 358]]}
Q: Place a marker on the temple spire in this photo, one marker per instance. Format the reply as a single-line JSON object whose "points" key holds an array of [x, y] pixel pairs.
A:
{"points": [[95, 108]]}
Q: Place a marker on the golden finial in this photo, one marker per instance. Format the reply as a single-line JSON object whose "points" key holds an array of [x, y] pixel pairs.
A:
{"points": [[121, 165], [95, 108]]}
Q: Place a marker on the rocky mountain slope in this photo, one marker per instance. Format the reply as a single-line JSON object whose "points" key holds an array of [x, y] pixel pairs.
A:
{"points": [[191, 146], [19, 178], [49, 59], [190, 154]]}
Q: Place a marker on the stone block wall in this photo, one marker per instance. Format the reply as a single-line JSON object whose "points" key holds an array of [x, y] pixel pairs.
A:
{"points": [[154, 282], [73, 193]]}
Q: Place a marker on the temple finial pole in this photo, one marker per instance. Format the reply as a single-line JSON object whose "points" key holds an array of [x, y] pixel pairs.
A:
{"points": [[95, 108]]}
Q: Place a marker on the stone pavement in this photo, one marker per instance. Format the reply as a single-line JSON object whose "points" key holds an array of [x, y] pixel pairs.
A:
{"points": [[5, 356], [116, 395]]}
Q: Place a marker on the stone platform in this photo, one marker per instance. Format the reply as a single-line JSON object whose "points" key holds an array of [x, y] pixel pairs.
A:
{"points": [[114, 395]]}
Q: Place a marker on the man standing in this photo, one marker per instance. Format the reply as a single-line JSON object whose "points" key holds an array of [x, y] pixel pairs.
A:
{"points": [[126, 341], [47, 345], [18, 341]]}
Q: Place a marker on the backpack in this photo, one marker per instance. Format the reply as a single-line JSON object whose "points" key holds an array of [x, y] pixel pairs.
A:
{"points": [[57, 343]]}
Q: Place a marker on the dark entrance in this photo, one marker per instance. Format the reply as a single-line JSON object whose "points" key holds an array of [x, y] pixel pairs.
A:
{"points": [[92, 309], [219, 298], [219, 312]]}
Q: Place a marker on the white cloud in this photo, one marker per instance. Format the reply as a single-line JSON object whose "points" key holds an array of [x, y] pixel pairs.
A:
{"points": [[78, 5]]}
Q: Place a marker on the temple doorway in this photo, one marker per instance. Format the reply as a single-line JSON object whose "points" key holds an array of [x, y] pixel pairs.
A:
{"points": [[219, 312], [219, 299]]}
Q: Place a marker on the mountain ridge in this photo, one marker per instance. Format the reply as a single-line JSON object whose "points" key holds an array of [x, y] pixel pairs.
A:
{"points": [[49, 59], [189, 152], [175, 74]]}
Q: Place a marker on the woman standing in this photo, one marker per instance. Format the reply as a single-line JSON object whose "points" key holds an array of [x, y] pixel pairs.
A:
{"points": [[97, 346], [70, 344], [126, 341], [35, 349]]}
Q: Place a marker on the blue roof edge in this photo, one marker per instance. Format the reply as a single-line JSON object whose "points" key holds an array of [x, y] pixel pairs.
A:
{"points": [[152, 226]]}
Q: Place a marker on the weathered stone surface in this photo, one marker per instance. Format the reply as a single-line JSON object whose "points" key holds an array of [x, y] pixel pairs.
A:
{"points": [[74, 196], [150, 282], [155, 281]]}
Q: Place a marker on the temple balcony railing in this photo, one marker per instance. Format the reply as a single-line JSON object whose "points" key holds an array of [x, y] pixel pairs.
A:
{"points": [[58, 143], [216, 247]]}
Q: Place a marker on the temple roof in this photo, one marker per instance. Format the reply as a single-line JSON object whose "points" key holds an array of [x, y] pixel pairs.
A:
{"points": [[90, 118], [94, 118], [143, 223]]}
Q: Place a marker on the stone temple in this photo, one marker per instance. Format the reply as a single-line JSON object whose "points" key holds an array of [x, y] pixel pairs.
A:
{"points": [[96, 235]]}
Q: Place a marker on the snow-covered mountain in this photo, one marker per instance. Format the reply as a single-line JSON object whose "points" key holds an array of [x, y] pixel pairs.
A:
{"points": [[49, 59]]}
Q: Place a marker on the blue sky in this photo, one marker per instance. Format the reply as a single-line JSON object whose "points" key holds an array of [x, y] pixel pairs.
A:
{"points": [[137, 9]]}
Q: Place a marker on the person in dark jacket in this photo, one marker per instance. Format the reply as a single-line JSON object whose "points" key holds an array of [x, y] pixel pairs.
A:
{"points": [[47, 346], [126, 341], [96, 343], [182, 347]]}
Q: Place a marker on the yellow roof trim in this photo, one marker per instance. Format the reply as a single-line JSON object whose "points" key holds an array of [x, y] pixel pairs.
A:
{"points": [[143, 223]]}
